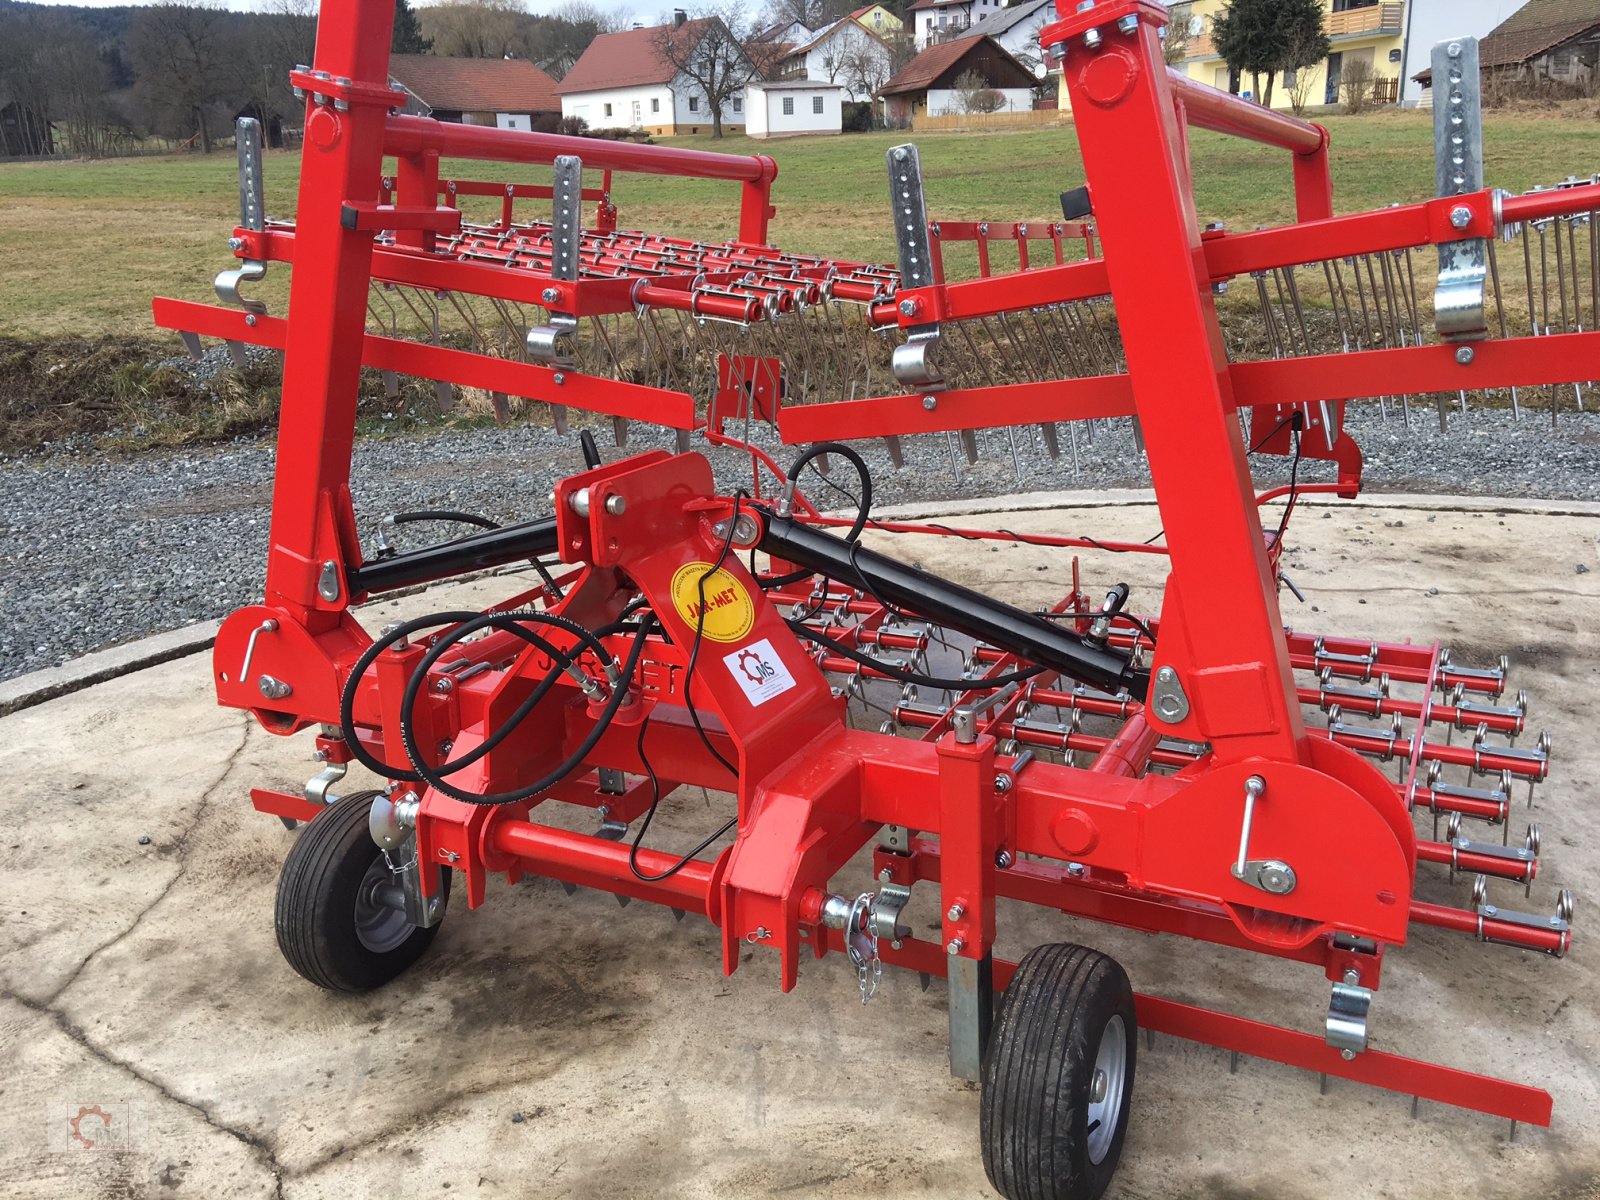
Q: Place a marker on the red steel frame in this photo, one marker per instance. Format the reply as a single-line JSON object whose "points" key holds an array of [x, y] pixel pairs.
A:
{"points": [[1147, 849]]}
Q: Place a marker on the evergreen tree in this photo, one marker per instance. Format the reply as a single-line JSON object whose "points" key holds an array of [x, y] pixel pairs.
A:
{"points": [[408, 37]]}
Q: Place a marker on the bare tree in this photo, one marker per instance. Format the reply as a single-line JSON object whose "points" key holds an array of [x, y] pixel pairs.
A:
{"points": [[182, 58], [866, 70], [708, 55], [1356, 81], [1175, 38], [477, 28], [976, 95]]}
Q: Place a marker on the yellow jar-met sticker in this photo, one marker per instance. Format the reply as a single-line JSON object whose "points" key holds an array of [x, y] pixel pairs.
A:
{"points": [[728, 612]]}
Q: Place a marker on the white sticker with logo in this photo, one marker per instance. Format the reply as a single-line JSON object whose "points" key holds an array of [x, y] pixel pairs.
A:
{"points": [[760, 672]]}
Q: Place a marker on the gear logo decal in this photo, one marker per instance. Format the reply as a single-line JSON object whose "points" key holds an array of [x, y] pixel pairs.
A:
{"points": [[753, 667], [102, 1126], [759, 672]]}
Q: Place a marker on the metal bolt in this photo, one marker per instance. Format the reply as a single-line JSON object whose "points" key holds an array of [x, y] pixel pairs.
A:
{"points": [[1347, 1054], [1085, 5], [558, 378], [908, 307], [250, 319], [1455, 49], [956, 946], [235, 243], [319, 756], [1076, 870], [1003, 859], [449, 856], [1128, 25], [900, 154], [929, 403], [1461, 216], [1166, 675], [1464, 355], [1091, 40], [1352, 976], [443, 686], [886, 875], [898, 944], [1002, 783], [1220, 288], [955, 913], [550, 295], [616, 505]]}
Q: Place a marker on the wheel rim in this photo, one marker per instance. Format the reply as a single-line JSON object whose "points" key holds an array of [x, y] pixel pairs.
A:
{"points": [[379, 927], [1108, 1087]]}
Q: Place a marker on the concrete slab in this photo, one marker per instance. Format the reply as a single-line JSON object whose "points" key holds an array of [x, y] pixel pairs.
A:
{"points": [[556, 1047]]}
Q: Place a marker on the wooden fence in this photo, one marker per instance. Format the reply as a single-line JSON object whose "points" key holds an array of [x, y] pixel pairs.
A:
{"points": [[923, 123]]}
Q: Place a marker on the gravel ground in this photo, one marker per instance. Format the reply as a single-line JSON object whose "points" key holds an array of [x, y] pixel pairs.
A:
{"points": [[97, 550]]}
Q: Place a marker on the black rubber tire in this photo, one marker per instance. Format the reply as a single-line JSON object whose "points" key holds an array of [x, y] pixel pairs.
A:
{"points": [[316, 905], [1037, 1072]]}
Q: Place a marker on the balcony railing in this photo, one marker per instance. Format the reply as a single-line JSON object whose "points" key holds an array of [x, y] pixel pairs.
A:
{"points": [[1375, 19]]}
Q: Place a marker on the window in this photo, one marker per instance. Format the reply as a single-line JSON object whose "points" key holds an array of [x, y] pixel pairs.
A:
{"points": [[738, 104], [655, 104], [816, 104], [608, 110], [694, 103], [788, 106]]}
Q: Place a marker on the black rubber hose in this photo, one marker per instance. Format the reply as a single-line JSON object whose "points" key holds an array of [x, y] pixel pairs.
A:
{"points": [[571, 763], [863, 507], [443, 514]]}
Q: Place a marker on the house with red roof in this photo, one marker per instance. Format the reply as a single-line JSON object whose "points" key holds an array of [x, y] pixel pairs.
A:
{"points": [[926, 86], [627, 80], [509, 93]]}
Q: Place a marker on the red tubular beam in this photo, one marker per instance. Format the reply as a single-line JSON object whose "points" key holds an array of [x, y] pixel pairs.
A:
{"points": [[1376, 1068], [1555, 202], [1477, 864], [594, 862], [1465, 920], [1127, 753], [415, 135], [1222, 113], [1483, 810]]}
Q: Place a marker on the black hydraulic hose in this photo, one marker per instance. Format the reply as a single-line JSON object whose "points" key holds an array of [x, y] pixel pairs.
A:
{"points": [[863, 503], [1025, 634], [619, 694], [491, 548], [449, 516], [510, 622]]}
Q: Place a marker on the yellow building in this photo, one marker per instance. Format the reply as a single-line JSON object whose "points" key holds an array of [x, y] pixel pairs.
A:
{"points": [[877, 19], [1367, 37]]}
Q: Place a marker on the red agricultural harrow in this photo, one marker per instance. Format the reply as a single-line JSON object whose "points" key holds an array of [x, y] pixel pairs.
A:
{"points": [[1169, 772]]}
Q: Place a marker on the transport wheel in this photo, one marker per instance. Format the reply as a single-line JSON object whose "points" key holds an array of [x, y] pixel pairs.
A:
{"points": [[332, 929], [1058, 1076]]}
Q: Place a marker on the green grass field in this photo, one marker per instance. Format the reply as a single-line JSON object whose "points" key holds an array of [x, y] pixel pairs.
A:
{"points": [[83, 246]]}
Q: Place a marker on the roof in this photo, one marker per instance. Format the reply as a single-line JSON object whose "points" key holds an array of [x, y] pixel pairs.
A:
{"points": [[475, 84], [997, 23], [1537, 27], [925, 68], [631, 58], [827, 31], [920, 4]]}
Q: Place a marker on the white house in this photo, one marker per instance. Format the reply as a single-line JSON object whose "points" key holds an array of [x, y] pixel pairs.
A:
{"points": [[624, 81], [784, 33], [787, 107], [1016, 27], [942, 20], [843, 53]]}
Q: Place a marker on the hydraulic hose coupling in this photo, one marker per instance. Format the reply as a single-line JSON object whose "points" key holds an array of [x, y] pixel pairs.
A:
{"points": [[785, 505], [1100, 631]]}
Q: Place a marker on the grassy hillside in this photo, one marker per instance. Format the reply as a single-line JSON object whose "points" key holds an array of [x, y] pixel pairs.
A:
{"points": [[84, 246]]}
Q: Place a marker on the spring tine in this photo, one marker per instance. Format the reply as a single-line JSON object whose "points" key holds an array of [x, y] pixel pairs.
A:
{"points": [[969, 443], [891, 443], [1052, 443], [1072, 436], [1500, 314], [1016, 462]]}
